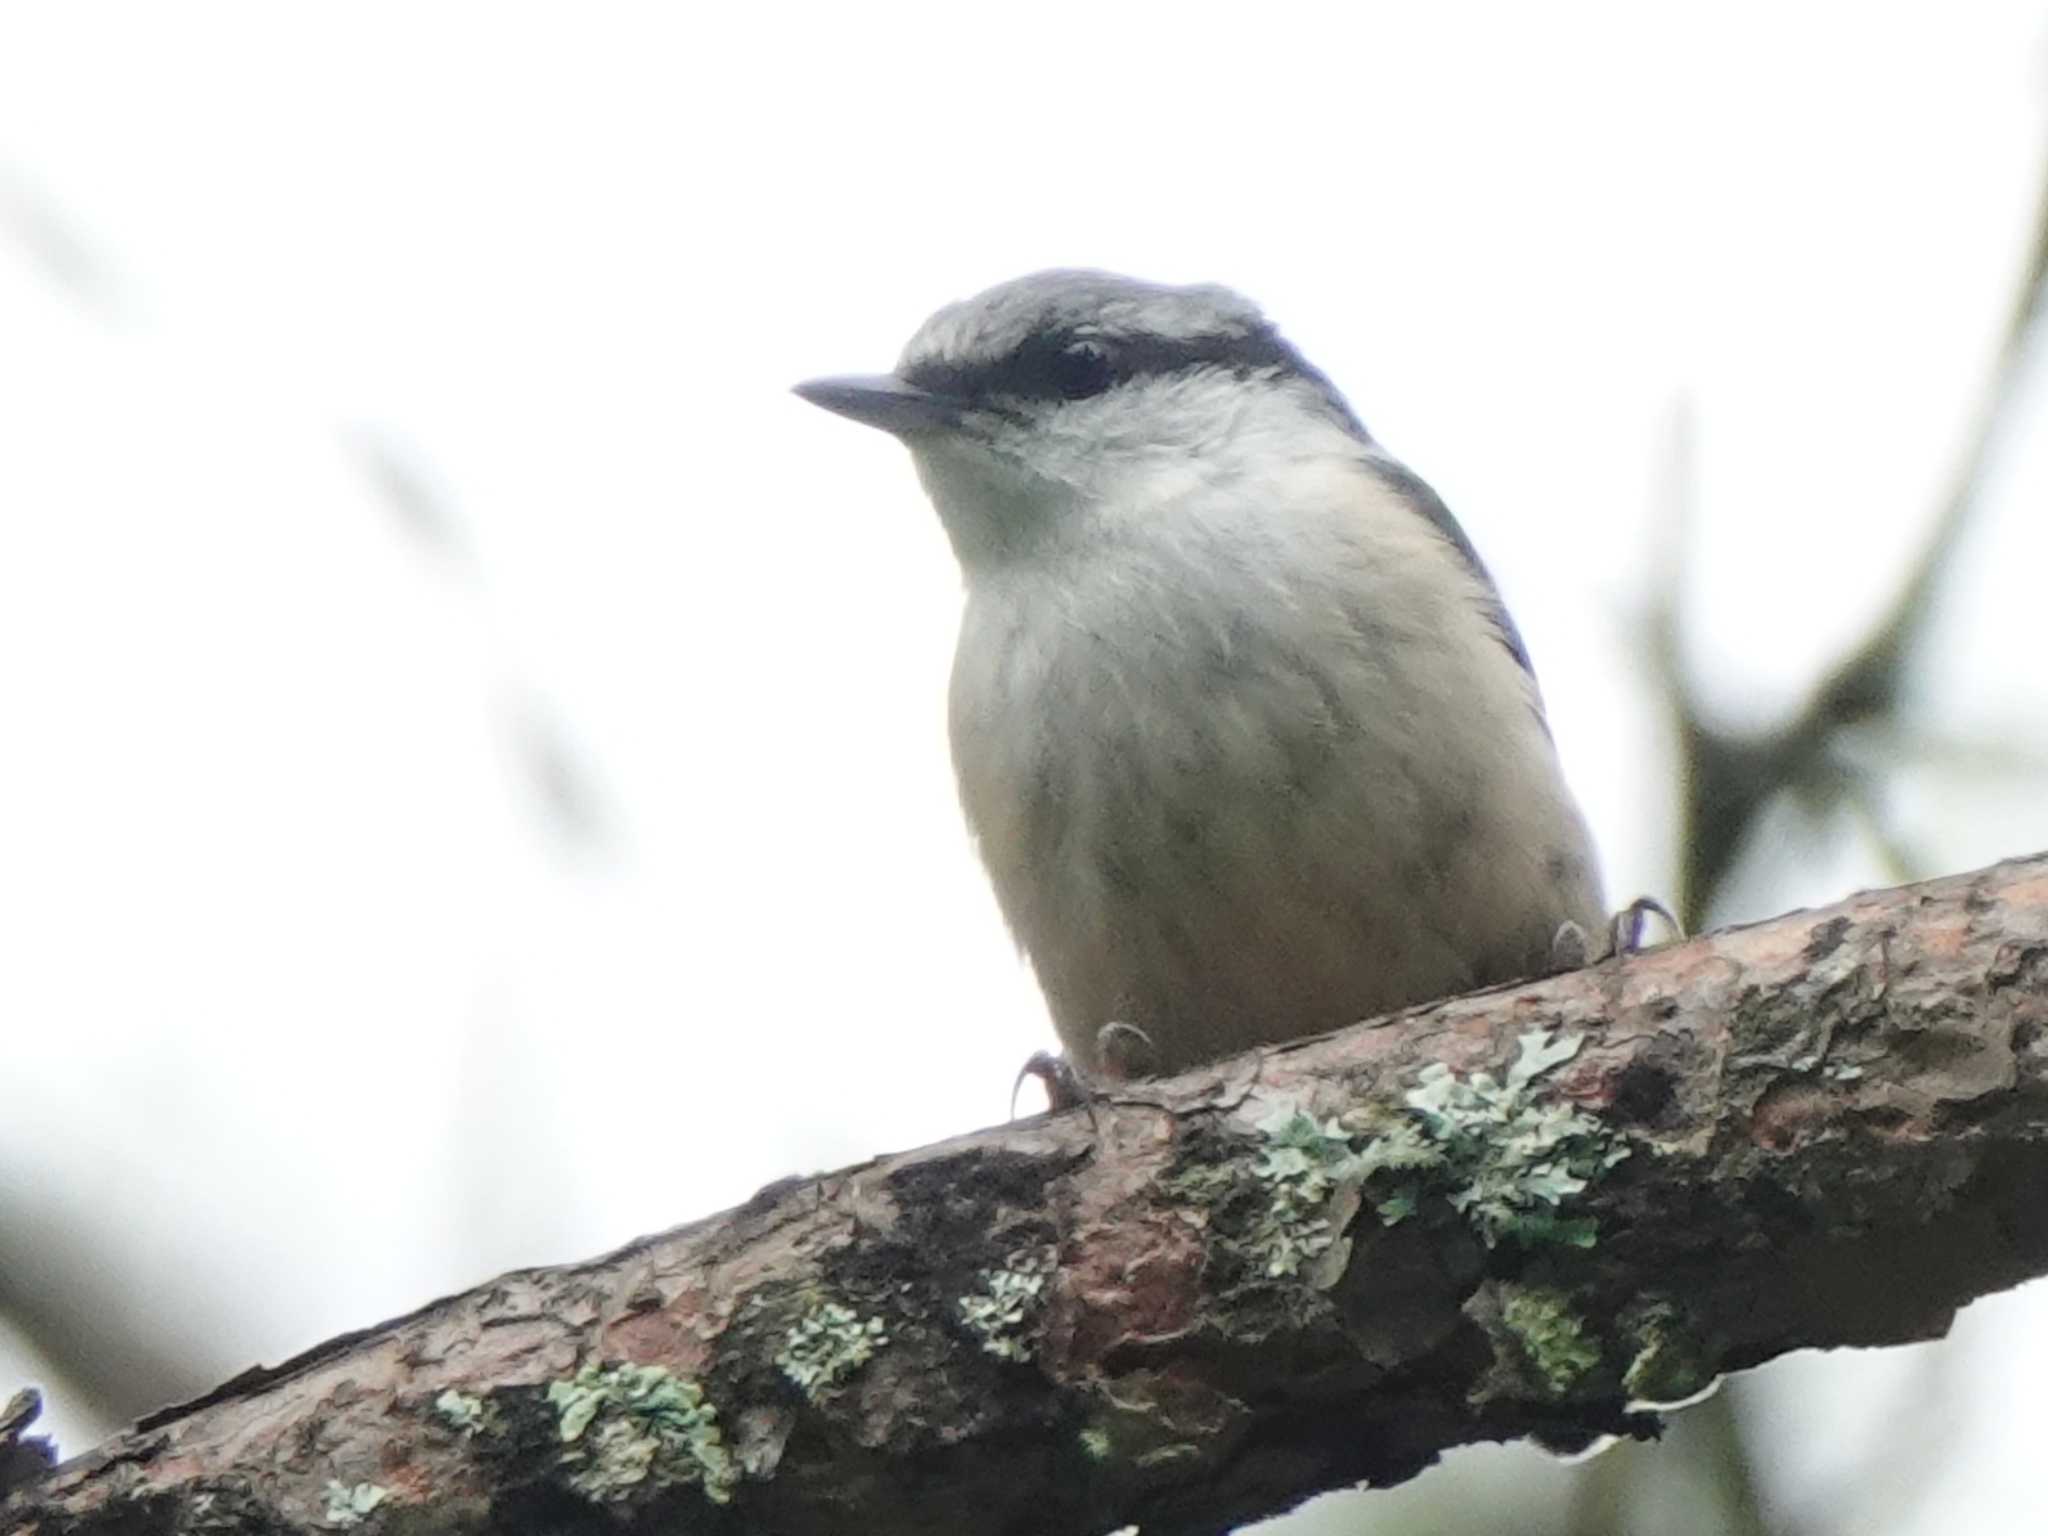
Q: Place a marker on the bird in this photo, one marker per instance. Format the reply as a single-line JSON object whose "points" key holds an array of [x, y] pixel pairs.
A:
{"points": [[1245, 736]]}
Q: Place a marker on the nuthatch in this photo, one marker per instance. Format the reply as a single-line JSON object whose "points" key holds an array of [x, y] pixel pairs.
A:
{"points": [[1249, 744]]}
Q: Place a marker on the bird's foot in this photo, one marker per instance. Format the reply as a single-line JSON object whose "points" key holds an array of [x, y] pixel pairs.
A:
{"points": [[1571, 948], [1122, 1051]]}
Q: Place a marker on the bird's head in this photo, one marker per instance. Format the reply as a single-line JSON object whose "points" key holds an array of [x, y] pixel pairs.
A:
{"points": [[1061, 404]]}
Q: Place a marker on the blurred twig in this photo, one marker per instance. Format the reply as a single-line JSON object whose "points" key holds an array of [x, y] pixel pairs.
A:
{"points": [[563, 786], [69, 1284], [1729, 777], [405, 482], [1822, 757], [54, 242]]}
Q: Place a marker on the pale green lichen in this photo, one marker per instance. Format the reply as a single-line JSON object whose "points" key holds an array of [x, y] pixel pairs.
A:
{"points": [[1504, 1158], [464, 1412], [826, 1345], [1500, 1155], [1303, 1163], [1001, 1312], [627, 1425], [1096, 1443], [1550, 1336], [348, 1505]]}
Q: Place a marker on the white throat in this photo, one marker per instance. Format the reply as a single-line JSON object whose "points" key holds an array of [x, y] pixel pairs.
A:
{"points": [[1082, 478]]}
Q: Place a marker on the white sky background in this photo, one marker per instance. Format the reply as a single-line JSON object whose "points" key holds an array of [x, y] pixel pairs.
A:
{"points": [[330, 1021]]}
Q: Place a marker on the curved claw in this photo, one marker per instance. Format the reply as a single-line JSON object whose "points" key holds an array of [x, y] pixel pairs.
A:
{"points": [[1625, 928], [1125, 1051], [1064, 1087]]}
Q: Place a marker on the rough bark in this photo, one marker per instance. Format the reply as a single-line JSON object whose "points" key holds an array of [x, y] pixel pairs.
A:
{"points": [[1210, 1297]]}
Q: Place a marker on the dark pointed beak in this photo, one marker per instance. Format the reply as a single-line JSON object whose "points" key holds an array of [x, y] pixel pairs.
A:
{"points": [[883, 400]]}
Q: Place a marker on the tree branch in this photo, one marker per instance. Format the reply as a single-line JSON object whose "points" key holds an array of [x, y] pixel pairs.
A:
{"points": [[1530, 1211]]}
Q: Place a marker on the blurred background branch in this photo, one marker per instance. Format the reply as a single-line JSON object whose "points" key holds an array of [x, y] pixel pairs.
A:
{"points": [[1833, 754], [1819, 756]]}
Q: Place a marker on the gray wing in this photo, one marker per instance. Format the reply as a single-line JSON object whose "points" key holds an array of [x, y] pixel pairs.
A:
{"points": [[1415, 491]]}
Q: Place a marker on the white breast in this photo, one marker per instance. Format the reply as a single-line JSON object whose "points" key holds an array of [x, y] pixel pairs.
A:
{"points": [[1257, 763]]}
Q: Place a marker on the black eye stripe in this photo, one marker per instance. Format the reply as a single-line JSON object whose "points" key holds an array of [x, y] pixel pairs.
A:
{"points": [[1071, 365]]}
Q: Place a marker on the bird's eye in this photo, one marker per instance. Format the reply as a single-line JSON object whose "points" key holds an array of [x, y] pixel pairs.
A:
{"points": [[1081, 370], [1045, 368]]}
